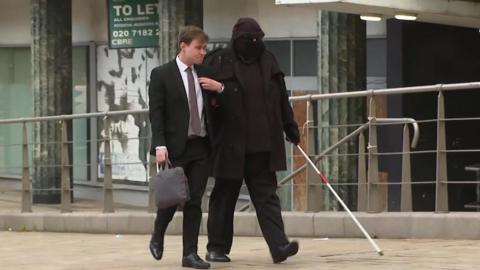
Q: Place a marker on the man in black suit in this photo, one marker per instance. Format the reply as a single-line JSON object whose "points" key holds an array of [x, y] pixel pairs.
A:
{"points": [[179, 112], [253, 114]]}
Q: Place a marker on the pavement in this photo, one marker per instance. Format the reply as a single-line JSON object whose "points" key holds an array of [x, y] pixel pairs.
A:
{"points": [[55, 251], [38, 249]]}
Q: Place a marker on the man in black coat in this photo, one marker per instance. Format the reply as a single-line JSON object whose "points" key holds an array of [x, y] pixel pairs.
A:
{"points": [[253, 114], [179, 112]]}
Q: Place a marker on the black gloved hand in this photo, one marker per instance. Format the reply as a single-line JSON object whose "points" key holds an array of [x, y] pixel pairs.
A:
{"points": [[293, 136]]}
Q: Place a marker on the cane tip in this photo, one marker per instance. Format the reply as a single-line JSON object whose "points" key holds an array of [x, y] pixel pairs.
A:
{"points": [[380, 253]]}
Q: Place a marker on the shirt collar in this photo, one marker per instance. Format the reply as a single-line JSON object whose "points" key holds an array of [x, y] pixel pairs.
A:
{"points": [[182, 65]]}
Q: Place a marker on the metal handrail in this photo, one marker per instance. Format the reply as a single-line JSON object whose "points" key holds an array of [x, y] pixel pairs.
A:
{"points": [[70, 116], [416, 129], [351, 94], [372, 122], [364, 126], [390, 91]]}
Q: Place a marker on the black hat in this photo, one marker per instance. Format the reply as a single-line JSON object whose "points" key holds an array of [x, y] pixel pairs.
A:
{"points": [[248, 26]]}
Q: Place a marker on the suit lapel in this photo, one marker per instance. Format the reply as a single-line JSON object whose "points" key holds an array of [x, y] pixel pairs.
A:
{"points": [[175, 72], [201, 73]]}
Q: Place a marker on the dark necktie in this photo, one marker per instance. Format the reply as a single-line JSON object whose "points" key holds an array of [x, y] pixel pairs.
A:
{"points": [[195, 126]]}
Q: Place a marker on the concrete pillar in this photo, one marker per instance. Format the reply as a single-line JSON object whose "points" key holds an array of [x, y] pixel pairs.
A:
{"points": [[174, 14], [52, 90], [341, 68]]}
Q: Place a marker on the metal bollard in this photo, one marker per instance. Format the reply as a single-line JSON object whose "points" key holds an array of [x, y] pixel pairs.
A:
{"points": [[373, 204], [314, 183], [362, 175], [151, 192], [107, 177], [406, 196], [441, 188], [66, 199], [26, 181]]}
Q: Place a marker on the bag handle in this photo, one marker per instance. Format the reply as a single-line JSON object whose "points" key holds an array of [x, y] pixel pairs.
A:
{"points": [[165, 165]]}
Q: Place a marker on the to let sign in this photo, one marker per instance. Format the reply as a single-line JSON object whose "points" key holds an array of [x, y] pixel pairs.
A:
{"points": [[132, 23]]}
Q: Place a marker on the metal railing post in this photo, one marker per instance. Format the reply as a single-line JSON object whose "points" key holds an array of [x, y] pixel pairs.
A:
{"points": [[107, 176], [26, 181], [373, 205], [66, 199], [362, 175], [151, 187], [314, 183], [406, 195], [441, 188]]}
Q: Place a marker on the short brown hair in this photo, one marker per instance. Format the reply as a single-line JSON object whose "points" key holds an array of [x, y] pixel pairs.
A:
{"points": [[189, 33]]}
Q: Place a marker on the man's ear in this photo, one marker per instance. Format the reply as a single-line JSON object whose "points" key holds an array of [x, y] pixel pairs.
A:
{"points": [[181, 45]]}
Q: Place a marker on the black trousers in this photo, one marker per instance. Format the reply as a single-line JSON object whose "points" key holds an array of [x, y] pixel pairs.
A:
{"points": [[195, 164], [262, 186]]}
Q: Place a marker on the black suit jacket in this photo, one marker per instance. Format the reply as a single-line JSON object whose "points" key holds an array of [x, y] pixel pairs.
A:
{"points": [[169, 109]]}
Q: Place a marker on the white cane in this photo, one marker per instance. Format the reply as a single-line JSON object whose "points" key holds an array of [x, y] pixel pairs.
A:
{"points": [[327, 182]]}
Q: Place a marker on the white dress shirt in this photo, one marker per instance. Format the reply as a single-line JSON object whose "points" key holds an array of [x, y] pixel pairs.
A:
{"points": [[183, 71]]}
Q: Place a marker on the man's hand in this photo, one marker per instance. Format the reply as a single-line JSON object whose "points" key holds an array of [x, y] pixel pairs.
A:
{"points": [[161, 155], [210, 84]]}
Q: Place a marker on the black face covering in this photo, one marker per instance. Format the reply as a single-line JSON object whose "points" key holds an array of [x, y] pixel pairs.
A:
{"points": [[248, 48]]}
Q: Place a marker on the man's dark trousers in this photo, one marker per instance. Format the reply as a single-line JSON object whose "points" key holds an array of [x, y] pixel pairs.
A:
{"points": [[194, 161], [262, 186]]}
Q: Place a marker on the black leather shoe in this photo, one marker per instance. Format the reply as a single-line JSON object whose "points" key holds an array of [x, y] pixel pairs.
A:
{"points": [[285, 251], [194, 261], [156, 249], [215, 256]]}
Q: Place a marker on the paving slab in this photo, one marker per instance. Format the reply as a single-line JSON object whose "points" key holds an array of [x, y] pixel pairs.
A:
{"points": [[55, 251]]}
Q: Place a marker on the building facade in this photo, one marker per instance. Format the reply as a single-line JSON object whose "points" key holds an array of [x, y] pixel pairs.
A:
{"points": [[106, 79]]}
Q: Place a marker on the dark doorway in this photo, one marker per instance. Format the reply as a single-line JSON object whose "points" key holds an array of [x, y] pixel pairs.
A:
{"points": [[426, 54]]}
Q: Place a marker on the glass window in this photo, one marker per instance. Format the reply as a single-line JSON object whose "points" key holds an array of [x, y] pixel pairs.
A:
{"points": [[377, 57], [305, 58], [79, 105], [281, 50], [15, 101]]}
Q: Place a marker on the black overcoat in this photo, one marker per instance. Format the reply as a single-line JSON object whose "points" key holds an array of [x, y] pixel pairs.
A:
{"points": [[229, 119]]}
